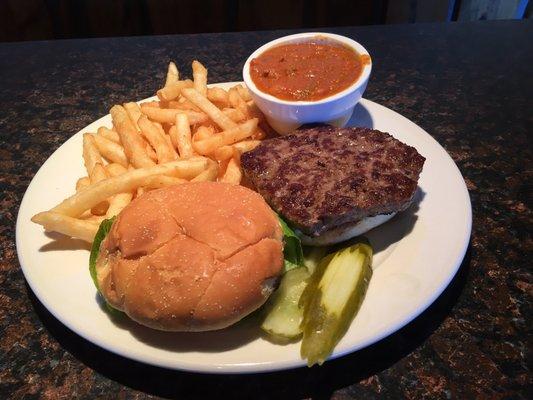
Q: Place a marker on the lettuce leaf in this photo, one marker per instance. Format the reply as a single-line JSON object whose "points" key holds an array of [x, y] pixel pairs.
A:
{"points": [[102, 232], [293, 256]]}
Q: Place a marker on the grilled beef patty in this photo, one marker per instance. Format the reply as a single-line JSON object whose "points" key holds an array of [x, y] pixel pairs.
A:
{"points": [[322, 177]]}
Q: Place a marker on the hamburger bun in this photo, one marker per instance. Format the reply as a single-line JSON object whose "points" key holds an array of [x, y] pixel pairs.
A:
{"points": [[192, 257]]}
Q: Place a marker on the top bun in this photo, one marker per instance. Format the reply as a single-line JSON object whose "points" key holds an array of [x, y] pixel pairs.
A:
{"points": [[191, 257]]}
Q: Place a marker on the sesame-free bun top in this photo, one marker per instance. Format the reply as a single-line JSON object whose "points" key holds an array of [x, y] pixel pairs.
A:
{"points": [[191, 257]]}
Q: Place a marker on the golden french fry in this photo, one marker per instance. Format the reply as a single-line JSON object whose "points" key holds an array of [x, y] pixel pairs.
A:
{"points": [[246, 145], [181, 136], [154, 103], [224, 153], [259, 134], [172, 91], [182, 104], [203, 132], [76, 228], [134, 112], [235, 114], [199, 75], [237, 102], [209, 108], [115, 169], [168, 115], [151, 132], [99, 174], [110, 150], [167, 138], [210, 174], [83, 182], [219, 96], [172, 74], [243, 92], [227, 137], [109, 134], [91, 156], [131, 180], [160, 181], [133, 145], [233, 172], [117, 203]]}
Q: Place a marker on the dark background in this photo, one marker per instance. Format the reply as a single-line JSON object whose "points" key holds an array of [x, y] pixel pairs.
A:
{"points": [[61, 19]]}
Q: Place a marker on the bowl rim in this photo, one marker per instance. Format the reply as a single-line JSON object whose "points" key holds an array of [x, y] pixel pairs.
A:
{"points": [[302, 37]]}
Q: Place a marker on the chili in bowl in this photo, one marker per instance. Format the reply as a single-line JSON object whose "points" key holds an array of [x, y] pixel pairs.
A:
{"points": [[307, 78]]}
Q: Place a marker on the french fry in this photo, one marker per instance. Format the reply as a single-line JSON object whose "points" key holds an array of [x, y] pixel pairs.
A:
{"points": [[110, 150], [117, 203], [165, 153], [172, 74], [199, 74], [246, 145], [91, 156], [115, 169], [233, 172], [167, 139], [234, 114], [227, 137], [181, 136], [109, 134], [203, 132], [237, 102], [183, 104], [219, 96], [131, 180], [149, 150], [259, 134], [134, 112], [99, 174], [172, 91], [154, 103], [160, 181], [168, 115], [133, 145], [224, 153], [83, 182], [244, 92], [209, 108], [210, 174], [76, 228]]}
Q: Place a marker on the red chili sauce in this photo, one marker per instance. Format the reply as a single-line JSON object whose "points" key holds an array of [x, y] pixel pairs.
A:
{"points": [[306, 71]]}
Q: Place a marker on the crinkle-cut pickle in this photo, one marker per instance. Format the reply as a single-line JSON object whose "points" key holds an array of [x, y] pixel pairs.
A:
{"points": [[332, 298]]}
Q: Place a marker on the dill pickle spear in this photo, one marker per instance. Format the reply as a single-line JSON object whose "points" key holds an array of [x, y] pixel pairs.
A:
{"points": [[284, 316], [332, 298]]}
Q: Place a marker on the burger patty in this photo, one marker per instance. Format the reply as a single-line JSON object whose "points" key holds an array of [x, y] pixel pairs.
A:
{"points": [[323, 177]]}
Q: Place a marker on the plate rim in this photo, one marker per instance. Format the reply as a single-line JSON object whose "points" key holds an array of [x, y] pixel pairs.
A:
{"points": [[268, 366]]}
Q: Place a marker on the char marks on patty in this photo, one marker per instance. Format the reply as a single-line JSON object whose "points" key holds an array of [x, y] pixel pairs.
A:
{"points": [[319, 178]]}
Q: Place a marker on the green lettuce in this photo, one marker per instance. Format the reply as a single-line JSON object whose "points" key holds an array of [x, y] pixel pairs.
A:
{"points": [[293, 256], [103, 230]]}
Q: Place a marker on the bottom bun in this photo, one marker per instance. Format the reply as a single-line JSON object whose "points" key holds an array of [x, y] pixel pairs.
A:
{"points": [[344, 232]]}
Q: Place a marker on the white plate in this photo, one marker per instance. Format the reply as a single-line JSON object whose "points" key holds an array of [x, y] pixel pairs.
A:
{"points": [[417, 255]]}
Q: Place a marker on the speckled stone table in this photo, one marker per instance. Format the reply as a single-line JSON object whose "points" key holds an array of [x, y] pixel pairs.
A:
{"points": [[470, 85]]}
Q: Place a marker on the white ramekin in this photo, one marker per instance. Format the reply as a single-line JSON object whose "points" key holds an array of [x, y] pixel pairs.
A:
{"points": [[285, 116]]}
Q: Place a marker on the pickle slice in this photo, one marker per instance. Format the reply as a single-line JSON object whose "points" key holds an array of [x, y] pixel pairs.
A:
{"points": [[332, 298], [284, 316]]}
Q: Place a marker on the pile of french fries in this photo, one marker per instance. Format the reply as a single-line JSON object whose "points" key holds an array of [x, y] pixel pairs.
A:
{"points": [[191, 133]]}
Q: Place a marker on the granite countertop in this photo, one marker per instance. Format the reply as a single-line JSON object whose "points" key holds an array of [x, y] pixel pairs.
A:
{"points": [[468, 84]]}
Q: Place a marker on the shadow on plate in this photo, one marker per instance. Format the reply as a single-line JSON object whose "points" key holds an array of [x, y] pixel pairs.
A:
{"points": [[316, 382], [235, 336], [61, 243], [361, 117], [399, 226]]}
